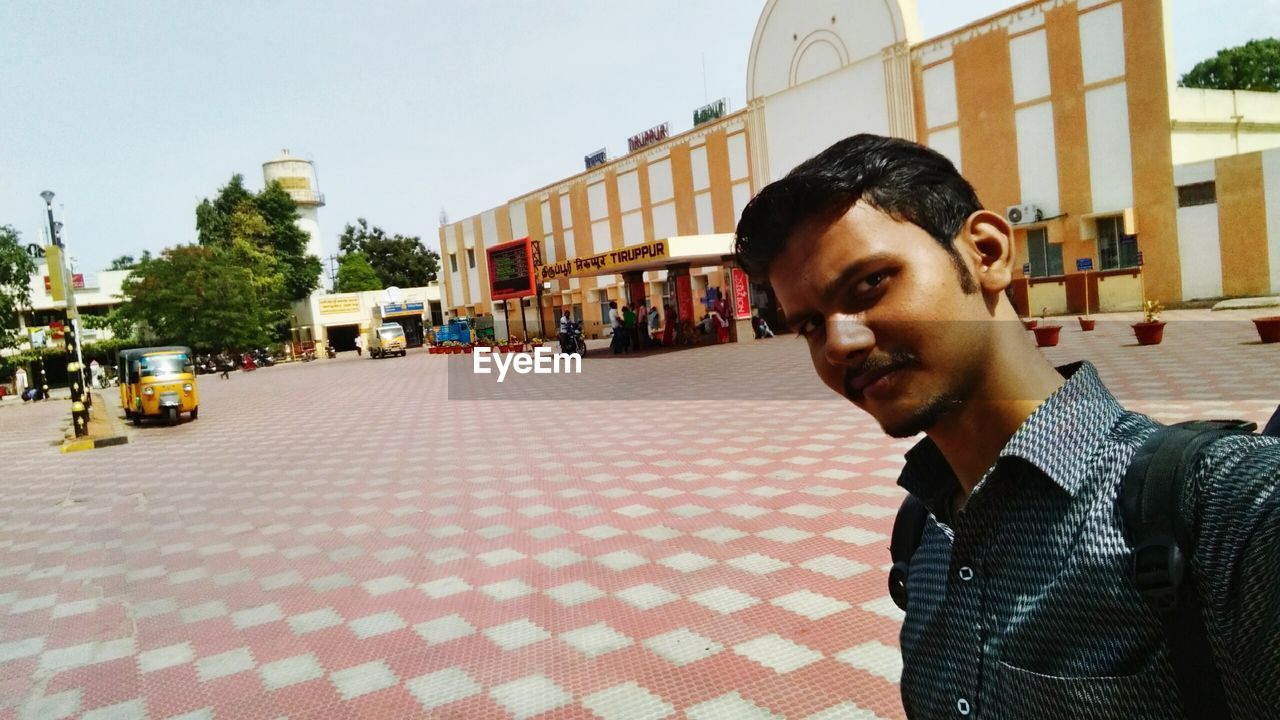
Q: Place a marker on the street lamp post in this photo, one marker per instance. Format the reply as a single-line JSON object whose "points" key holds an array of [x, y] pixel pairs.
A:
{"points": [[75, 370]]}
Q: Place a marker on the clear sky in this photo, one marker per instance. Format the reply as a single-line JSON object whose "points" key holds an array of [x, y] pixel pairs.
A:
{"points": [[132, 112]]}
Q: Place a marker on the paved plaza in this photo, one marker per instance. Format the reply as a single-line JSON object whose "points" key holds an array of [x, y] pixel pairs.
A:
{"points": [[339, 539]]}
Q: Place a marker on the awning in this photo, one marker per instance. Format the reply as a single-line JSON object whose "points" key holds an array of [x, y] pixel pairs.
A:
{"points": [[692, 250]]}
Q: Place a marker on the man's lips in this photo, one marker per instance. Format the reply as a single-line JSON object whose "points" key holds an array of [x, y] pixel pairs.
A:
{"points": [[858, 383]]}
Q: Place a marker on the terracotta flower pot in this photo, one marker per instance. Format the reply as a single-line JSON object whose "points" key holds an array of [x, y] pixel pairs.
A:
{"points": [[1086, 324], [1047, 335], [1030, 324], [467, 349], [1149, 333], [1268, 328]]}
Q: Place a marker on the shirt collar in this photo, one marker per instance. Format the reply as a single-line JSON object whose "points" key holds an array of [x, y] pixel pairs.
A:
{"points": [[1057, 438]]}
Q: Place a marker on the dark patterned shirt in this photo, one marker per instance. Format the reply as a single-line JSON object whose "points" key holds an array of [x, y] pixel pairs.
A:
{"points": [[1021, 604]]}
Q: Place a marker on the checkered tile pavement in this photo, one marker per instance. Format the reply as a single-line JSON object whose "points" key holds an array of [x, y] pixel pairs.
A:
{"points": [[337, 540]]}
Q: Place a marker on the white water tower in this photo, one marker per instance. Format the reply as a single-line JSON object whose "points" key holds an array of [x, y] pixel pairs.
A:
{"points": [[298, 177]]}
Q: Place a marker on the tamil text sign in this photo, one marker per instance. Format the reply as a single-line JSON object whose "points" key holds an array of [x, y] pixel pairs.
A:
{"points": [[653, 135], [511, 270], [605, 261], [340, 305], [711, 111], [598, 157]]}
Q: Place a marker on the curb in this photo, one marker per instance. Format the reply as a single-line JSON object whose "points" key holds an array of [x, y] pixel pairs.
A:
{"points": [[97, 414]]}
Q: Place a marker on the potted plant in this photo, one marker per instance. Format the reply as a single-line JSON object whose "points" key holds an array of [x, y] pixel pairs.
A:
{"points": [[1086, 322], [1046, 332], [1268, 328], [1151, 330], [1030, 323]]}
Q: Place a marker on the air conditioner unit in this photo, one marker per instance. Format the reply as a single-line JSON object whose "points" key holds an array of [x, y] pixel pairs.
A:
{"points": [[1023, 214]]}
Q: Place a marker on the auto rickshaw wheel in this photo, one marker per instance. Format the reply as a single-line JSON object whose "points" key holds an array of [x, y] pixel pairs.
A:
{"points": [[195, 413], [137, 419], [173, 415]]}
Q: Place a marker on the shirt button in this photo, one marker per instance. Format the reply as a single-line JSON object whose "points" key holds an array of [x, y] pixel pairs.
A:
{"points": [[966, 573], [963, 706]]}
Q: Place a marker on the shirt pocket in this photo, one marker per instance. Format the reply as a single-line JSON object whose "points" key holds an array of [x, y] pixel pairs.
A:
{"points": [[1025, 694]]}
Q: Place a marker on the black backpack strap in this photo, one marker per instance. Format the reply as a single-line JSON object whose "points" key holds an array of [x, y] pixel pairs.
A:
{"points": [[908, 526], [1162, 539]]}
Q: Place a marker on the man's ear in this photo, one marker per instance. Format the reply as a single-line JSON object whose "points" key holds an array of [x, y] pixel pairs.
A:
{"points": [[986, 243]]}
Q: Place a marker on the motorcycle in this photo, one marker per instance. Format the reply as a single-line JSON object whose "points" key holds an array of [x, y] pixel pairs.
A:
{"points": [[573, 341], [262, 357], [331, 352]]}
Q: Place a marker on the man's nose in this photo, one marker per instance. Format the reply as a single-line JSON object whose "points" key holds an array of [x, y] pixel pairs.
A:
{"points": [[848, 339]]}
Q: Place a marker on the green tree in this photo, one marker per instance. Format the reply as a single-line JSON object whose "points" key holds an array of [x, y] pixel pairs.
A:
{"points": [[355, 274], [117, 320], [127, 262], [205, 297], [1252, 66], [399, 260], [16, 269], [268, 220]]}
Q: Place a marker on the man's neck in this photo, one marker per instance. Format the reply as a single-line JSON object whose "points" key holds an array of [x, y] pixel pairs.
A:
{"points": [[972, 437]]}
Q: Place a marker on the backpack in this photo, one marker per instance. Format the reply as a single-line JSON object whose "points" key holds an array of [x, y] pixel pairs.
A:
{"points": [[1150, 504]]}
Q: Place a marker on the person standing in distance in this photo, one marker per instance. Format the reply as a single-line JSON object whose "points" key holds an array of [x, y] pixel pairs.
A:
{"points": [[1020, 601]]}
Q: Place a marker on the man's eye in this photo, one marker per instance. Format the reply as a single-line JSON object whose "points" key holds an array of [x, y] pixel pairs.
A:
{"points": [[871, 281], [809, 327]]}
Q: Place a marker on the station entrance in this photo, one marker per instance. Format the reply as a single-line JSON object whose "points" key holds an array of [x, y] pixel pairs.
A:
{"points": [[342, 337]]}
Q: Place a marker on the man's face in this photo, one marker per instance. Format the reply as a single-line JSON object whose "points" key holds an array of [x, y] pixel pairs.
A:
{"points": [[888, 323]]}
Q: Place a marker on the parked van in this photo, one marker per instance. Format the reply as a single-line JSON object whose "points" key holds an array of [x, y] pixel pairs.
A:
{"points": [[387, 339]]}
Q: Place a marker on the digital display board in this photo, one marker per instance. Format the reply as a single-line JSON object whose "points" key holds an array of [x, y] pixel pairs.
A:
{"points": [[511, 270]]}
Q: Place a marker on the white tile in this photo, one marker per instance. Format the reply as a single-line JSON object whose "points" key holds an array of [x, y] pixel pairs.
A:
{"points": [[393, 554], [683, 646], [385, 585], [856, 536], [77, 607], [646, 596], [558, 558], [507, 589], [166, 657], [840, 568], [659, 533], [36, 603], [885, 607], [596, 640], [876, 658], [778, 653], [546, 532], [529, 696], [440, 556], [134, 709], [445, 531], [602, 532], [826, 490], [635, 511], [224, 664], [784, 534], [810, 604], [767, 491], [689, 511], [758, 564], [444, 587], [260, 615], [501, 557], [444, 629], [52, 707], [21, 649], [290, 671], [516, 634], [687, 562], [844, 711], [621, 560], [281, 580], [807, 510], [747, 511], [494, 531], [354, 682], [315, 620], [377, 624], [204, 713], [663, 492], [724, 600], [872, 511], [204, 611], [441, 688], [720, 534], [628, 701], [731, 706], [575, 593]]}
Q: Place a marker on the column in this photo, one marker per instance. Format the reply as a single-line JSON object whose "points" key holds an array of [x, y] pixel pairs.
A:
{"points": [[739, 303]]}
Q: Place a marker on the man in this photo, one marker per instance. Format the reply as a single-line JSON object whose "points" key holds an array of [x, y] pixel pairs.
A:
{"points": [[359, 345], [566, 332], [1021, 604], [20, 382], [655, 322], [617, 339], [642, 326]]}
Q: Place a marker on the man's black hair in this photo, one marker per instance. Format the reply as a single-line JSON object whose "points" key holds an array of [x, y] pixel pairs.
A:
{"points": [[907, 181]]}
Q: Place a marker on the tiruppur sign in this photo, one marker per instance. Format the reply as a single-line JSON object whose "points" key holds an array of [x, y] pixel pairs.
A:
{"points": [[605, 261], [655, 134]]}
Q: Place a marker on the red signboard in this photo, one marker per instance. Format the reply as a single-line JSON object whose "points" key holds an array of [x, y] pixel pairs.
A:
{"points": [[77, 282], [684, 298], [741, 295], [57, 330], [511, 273]]}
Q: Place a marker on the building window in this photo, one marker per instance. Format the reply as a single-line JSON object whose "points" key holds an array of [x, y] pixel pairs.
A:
{"points": [[453, 262], [1115, 249], [1201, 193], [471, 257], [1045, 257]]}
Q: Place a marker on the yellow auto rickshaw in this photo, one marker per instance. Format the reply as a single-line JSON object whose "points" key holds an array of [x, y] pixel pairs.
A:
{"points": [[157, 382]]}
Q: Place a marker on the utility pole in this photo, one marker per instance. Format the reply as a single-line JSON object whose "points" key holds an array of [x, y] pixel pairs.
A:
{"points": [[75, 368]]}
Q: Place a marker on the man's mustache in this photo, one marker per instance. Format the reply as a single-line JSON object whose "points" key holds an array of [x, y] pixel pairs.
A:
{"points": [[892, 360]]}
